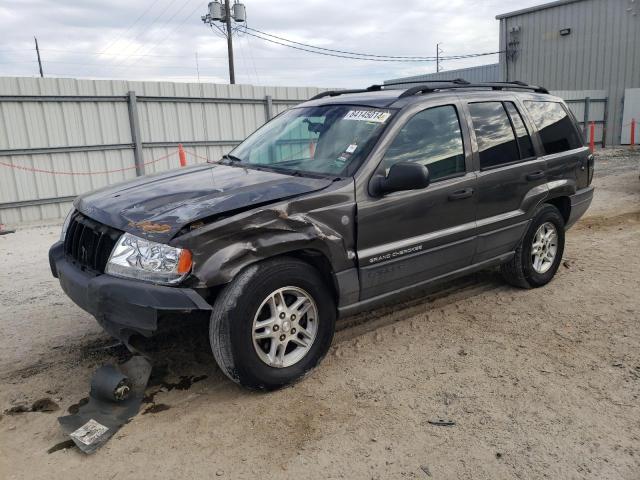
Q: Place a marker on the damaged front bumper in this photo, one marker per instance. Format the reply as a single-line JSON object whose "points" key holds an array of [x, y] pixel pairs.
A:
{"points": [[123, 307]]}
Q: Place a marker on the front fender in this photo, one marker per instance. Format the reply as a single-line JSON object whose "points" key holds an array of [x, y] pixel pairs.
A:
{"points": [[220, 251]]}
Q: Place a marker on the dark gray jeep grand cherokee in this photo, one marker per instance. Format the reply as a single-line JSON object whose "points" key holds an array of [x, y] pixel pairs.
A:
{"points": [[333, 207]]}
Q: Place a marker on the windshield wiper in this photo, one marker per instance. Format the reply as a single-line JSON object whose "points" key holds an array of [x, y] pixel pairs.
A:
{"points": [[231, 158]]}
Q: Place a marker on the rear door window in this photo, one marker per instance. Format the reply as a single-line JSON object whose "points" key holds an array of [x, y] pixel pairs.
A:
{"points": [[497, 143], [556, 129], [522, 134]]}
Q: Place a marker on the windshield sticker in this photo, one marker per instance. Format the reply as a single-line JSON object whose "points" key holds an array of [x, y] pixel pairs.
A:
{"points": [[351, 148], [344, 156], [367, 116]]}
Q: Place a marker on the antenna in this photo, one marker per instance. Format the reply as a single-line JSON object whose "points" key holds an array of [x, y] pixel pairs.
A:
{"points": [[39, 60], [438, 52]]}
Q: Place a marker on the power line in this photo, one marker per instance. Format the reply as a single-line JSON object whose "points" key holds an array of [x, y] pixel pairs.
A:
{"points": [[92, 67], [374, 59], [253, 63], [169, 35], [187, 63], [140, 47], [72, 52], [153, 22], [345, 52], [119, 37], [129, 28]]}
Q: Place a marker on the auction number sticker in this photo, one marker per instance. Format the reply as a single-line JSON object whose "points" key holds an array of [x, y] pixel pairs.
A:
{"points": [[367, 116], [90, 433]]}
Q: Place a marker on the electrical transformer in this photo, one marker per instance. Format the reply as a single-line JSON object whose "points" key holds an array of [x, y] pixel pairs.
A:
{"points": [[215, 11], [239, 12]]}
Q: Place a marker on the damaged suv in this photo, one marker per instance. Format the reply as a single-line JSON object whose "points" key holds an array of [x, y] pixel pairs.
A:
{"points": [[334, 207]]}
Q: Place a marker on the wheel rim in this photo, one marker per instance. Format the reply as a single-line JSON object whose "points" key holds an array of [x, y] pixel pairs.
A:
{"points": [[285, 327], [544, 247]]}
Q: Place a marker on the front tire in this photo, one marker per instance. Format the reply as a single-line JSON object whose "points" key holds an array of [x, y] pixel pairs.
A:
{"points": [[539, 253], [272, 324]]}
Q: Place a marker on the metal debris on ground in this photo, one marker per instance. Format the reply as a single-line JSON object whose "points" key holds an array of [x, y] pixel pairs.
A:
{"points": [[442, 423], [115, 397], [426, 470]]}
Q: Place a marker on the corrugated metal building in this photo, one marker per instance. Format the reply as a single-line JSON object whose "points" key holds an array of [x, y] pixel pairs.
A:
{"points": [[482, 73], [576, 45], [571, 45]]}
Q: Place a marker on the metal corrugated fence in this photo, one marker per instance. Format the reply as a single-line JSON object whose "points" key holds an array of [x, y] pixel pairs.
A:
{"points": [[94, 133]]}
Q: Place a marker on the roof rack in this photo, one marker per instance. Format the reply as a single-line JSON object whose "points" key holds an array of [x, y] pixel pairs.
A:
{"points": [[426, 87], [335, 93], [457, 81], [379, 87], [444, 85]]}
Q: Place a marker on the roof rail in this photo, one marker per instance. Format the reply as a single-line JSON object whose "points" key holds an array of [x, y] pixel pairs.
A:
{"points": [[335, 93], [378, 87], [428, 86], [517, 85], [455, 80]]}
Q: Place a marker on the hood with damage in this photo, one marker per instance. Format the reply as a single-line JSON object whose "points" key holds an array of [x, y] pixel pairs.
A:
{"points": [[158, 207]]}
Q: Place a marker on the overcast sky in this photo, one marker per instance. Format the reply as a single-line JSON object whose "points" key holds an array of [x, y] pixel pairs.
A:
{"points": [[158, 39]]}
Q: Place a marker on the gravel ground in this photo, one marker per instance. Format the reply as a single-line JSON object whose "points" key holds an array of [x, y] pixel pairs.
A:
{"points": [[539, 384]]}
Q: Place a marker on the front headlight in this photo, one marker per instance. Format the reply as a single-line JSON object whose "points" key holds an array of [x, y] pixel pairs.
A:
{"points": [[135, 257], [65, 225]]}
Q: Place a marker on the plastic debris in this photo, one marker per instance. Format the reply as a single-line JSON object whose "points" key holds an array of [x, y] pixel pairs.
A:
{"points": [[115, 397]]}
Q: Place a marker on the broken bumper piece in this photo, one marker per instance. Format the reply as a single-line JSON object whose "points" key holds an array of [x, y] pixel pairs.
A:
{"points": [[115, 397], [122, 307]]}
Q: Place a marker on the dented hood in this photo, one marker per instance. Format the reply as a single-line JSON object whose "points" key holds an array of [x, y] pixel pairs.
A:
{"points": [[157, 207]]}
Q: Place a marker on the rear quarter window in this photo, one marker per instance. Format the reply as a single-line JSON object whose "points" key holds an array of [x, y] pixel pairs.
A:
{"points": [[557, 131]]}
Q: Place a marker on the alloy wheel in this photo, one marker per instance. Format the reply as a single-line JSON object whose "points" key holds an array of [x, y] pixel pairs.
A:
{"points": [[544, 247], [285, 327]]}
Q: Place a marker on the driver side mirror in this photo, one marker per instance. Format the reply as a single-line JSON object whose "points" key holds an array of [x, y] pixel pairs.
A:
{"points": [[402, 176]]}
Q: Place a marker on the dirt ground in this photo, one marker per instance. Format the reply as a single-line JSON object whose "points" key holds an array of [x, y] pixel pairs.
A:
{"points": [[539, 384]]}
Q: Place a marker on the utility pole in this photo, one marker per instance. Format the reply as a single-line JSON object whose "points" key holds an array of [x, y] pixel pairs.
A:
{"points": [[224, 14], [232, 73], [438, 52], [39, 60]]}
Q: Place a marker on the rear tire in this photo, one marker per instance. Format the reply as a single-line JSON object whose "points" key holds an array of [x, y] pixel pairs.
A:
{"points": [[539, 253], [288, 297]]}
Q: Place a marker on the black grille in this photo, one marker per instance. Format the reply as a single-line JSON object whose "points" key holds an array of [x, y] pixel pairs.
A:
{"points": [[89, 243]]}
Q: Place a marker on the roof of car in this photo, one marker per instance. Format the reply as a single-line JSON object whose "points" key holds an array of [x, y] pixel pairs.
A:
{"points": [[378, 97]]}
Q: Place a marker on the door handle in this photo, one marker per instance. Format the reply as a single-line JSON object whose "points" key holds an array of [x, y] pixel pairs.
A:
{"points": [[536, 175], [460, 194]]}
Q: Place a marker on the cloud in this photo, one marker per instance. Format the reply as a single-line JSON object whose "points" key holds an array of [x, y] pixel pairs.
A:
{"points": [[158, 39]]}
